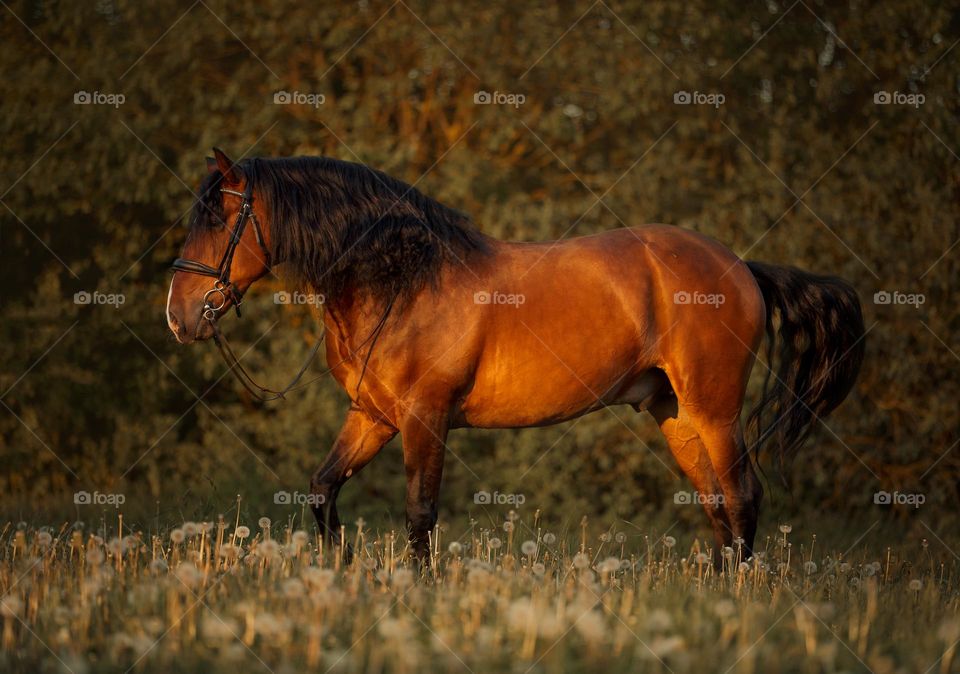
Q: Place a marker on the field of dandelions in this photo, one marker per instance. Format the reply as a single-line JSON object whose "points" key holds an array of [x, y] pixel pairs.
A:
{"points": [[236, 596]]}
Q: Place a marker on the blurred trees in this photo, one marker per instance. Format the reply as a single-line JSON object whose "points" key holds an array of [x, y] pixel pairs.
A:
{"points": [[798, 165]]}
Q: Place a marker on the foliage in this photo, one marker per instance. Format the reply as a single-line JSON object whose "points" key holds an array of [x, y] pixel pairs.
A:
{"points": [[797, 166]]}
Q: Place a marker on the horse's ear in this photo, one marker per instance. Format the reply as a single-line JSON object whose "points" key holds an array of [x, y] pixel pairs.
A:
{"points": [[226, 166], [211, 165]]}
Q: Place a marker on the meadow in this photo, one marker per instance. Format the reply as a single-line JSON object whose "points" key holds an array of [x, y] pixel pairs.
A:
{"points": [[236, 595], [810, 133]]}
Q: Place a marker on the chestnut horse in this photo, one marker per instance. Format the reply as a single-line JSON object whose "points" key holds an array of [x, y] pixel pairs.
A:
{"points": [[431, 325]]}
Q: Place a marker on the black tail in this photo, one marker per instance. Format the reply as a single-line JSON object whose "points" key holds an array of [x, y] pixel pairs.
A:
{"points": [[815, 345]]}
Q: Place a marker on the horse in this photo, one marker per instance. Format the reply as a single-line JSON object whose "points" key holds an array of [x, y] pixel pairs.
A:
{"points": [[431, 325]]}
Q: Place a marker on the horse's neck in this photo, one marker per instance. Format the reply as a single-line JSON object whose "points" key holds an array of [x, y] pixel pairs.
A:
{"points": [[351, 318]]}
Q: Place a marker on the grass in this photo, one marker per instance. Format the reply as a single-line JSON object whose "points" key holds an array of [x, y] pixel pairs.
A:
{"points": [[232, 596]]}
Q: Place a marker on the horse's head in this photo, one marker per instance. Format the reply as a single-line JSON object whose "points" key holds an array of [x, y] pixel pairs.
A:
{"points": [[226, 250]]}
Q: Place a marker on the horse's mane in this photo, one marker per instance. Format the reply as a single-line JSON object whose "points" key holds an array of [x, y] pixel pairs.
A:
{"points": [[340, 225]]}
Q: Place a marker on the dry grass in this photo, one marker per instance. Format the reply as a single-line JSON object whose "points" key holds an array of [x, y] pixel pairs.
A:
{"points": [[217, 597]]}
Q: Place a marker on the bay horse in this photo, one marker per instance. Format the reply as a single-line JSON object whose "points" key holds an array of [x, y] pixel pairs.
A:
{"points": [[431, 325]]}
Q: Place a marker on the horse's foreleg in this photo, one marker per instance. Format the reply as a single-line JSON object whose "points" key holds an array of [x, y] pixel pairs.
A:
{"points": [[424, 443], [360, 438]]}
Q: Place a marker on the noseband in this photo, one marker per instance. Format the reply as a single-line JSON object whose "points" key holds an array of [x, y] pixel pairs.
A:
{"points": [[223, 286]]}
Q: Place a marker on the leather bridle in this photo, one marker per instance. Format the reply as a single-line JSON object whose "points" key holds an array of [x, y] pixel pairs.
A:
{"points": [[223, 285], [227, 290]]}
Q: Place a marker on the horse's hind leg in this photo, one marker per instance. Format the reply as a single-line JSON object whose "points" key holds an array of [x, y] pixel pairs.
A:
{"points": [[742, 490], [694, 459], [360, 438]]}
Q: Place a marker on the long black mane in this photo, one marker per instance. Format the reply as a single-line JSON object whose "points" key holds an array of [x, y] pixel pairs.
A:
{"points": [[339, 225]]}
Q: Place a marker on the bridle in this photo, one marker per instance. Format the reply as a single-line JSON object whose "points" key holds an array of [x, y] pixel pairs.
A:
{"points": [[227, 290], [223, 285]]}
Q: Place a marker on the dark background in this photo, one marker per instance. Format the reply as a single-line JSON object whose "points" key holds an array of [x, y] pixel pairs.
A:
{"points": [[799, 165]]}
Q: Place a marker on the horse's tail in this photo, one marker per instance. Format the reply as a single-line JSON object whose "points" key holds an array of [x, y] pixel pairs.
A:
{"points": [[815, 345]]}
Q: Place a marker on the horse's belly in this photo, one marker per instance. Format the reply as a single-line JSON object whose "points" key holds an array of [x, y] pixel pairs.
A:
{"points": [[549, 400]]}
